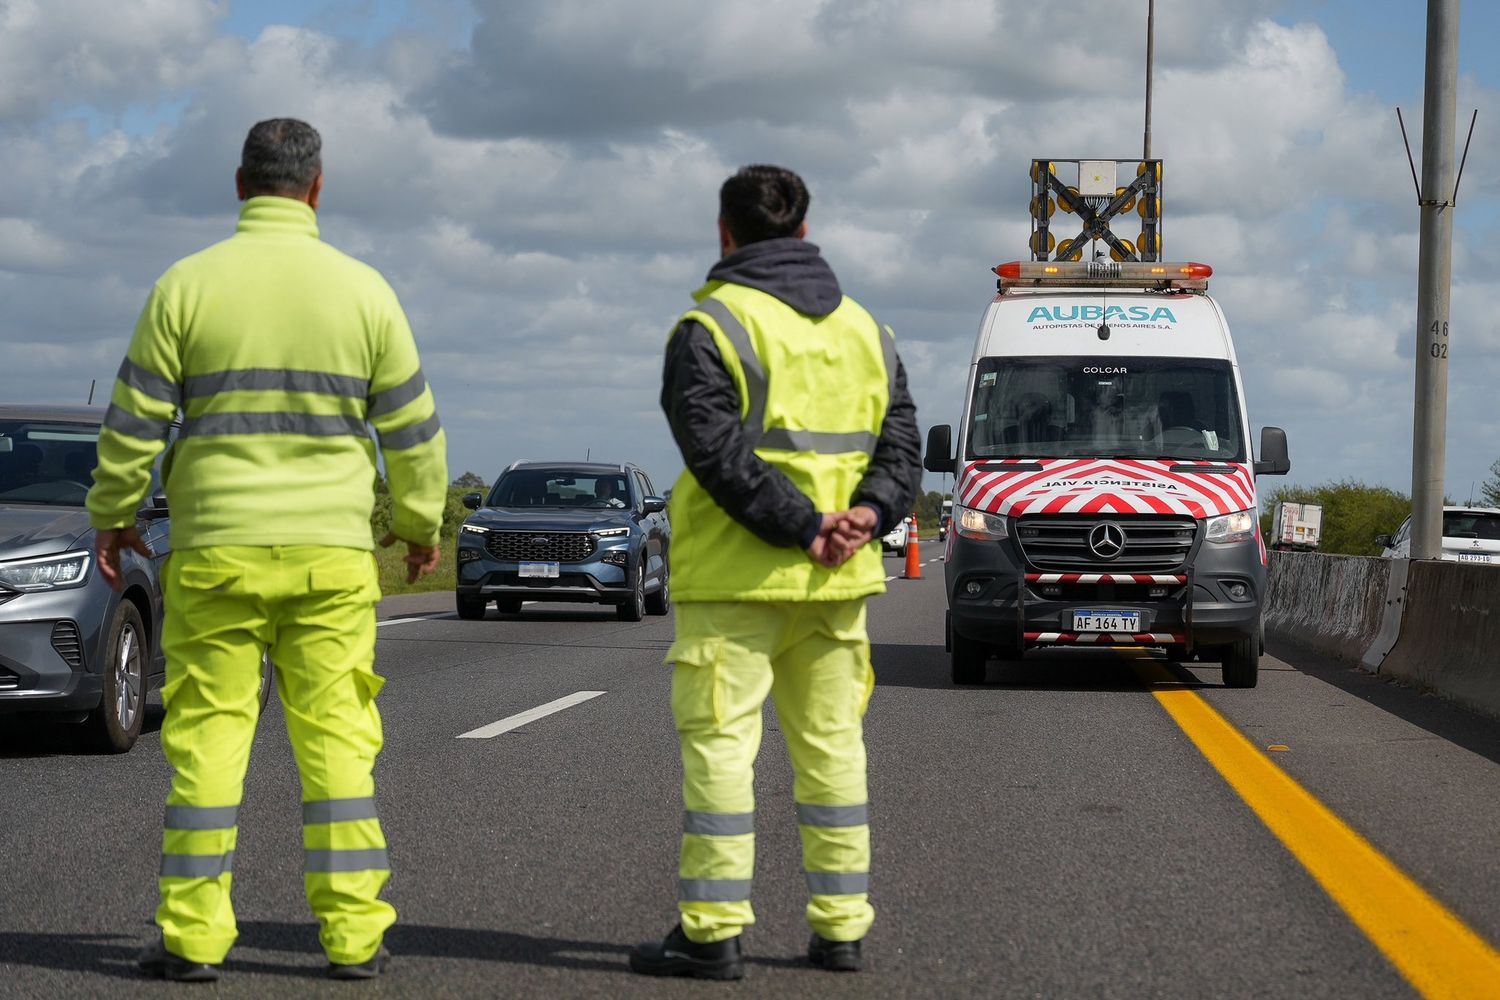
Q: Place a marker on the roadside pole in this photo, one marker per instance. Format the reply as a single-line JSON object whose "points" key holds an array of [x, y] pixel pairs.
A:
{"points": [[1434, 273]]}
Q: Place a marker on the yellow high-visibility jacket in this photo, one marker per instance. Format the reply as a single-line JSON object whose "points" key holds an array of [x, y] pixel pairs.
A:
{"points": [[280, 352]]}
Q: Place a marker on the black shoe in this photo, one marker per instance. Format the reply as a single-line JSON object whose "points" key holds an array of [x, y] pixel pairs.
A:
{"points": [[677, 956], [368, 969], [835, 956], [156, 960]]}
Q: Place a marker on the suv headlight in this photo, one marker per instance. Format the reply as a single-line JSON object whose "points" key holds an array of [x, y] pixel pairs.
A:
{"points": [[978, 525], [1236, 527], [71, 569], [473, 529], [611, 532]]}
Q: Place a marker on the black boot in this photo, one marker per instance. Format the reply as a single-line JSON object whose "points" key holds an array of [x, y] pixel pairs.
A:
{"points": [[368, 969], [677, 956], [156, 960], [835, 956]]}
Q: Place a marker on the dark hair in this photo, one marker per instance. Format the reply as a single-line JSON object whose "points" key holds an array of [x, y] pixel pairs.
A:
{"points": [[762, 203], [282, 156]]}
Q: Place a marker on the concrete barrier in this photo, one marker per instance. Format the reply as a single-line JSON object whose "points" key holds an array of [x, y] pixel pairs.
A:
{"points": [[1450, 633], [1334, 605]]}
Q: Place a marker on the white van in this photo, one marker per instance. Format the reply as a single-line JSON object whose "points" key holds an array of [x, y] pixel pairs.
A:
{"points": [[1105, 485]]}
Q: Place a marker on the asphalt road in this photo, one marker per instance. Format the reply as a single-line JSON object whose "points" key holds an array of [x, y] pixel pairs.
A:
{"points": [[1053, 834]]}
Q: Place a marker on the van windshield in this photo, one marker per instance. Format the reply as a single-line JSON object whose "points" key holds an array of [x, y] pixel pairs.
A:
{"points": [[1142, 408]]}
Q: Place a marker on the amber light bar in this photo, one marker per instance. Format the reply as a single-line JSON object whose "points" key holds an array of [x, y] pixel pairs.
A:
{"points": [[1107, 273]]}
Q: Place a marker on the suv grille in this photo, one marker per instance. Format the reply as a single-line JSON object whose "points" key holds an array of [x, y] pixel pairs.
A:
{"points": [[540, 546], [1152, 544], [65, 640]]}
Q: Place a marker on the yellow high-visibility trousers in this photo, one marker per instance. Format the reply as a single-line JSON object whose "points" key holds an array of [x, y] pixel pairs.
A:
{"points": [[813, 659], [313, 607]]}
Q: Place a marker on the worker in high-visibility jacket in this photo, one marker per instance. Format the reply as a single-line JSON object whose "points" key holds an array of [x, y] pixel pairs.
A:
{"points": [[280, 352], [800, 440]]}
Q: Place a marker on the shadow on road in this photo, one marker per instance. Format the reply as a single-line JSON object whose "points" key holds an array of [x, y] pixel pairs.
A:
{"points": [[1039, 670], [110, 955], [32, 736]]}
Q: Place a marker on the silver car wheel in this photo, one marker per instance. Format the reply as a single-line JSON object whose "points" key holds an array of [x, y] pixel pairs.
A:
{"points": [[129, 678]]}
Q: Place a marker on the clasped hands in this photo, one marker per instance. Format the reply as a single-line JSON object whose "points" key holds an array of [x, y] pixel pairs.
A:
{"points": [[841, 534]]}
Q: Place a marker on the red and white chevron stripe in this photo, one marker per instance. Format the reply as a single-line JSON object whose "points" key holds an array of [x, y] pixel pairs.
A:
{"points": [[1104, 486], [1105, 578], [1104, 638]]}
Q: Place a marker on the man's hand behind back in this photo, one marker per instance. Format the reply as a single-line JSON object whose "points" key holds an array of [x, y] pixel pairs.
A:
{"points": [[420, 559], [841, 535]]}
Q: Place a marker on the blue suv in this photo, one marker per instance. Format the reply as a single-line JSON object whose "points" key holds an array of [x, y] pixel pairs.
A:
{"points": [[566, 531]]}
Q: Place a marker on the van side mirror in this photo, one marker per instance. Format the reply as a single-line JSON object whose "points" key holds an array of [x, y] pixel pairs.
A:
{"points": [[939, 457], [1273, 460], [471, 500]]}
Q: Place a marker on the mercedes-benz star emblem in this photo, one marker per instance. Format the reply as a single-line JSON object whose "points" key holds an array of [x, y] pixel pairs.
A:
{"points": [[1107, 540]]}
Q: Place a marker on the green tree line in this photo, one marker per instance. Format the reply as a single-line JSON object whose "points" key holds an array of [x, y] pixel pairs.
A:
{"points": [[1353, 513]]}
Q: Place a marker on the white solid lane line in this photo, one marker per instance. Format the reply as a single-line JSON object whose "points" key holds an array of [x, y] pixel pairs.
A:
{"points": [[412, 618], [520, 719]]}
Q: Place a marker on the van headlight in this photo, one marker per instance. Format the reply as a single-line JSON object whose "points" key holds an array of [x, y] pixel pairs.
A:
{"points": [[71, 569], [979, 526], [1236, 527]]}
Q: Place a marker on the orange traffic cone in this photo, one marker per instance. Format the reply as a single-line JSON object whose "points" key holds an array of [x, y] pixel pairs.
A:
{"points": [[913, 558]]}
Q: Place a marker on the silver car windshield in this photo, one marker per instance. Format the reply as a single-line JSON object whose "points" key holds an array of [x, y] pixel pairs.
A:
{"points": [[1117, 407], [46, 462]]}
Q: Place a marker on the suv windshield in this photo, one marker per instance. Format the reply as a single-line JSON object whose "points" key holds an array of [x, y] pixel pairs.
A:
{"points": [[554, 488], [1105, 407], [47, 462], [1471, 524]]}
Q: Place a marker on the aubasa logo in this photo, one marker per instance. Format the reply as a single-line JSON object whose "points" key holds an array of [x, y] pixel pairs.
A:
{"points": [[1093, 314]]}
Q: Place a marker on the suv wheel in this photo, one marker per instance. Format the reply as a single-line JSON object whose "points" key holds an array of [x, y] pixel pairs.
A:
{"points": [[1242, 662], [634, 608], [116, 723], [660, 602], [969, 659], [471, 607]]}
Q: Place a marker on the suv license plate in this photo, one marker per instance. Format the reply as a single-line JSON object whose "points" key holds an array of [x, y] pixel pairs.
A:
{"points": [[544, 571], [1106, 621]]}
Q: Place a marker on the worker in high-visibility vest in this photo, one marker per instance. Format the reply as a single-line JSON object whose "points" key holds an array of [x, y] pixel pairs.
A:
{"points": [[280, 353], [790, 407]]}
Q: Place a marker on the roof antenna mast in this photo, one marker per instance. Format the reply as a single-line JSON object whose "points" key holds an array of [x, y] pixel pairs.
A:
{"points": [[1150, 59]]}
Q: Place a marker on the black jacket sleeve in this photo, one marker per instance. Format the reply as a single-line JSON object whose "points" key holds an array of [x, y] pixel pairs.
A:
{"points": [[703, 409], [895, 473]]}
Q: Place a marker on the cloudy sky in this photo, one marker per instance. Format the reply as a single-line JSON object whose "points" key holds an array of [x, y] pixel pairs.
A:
{"points": [[538, 180]]}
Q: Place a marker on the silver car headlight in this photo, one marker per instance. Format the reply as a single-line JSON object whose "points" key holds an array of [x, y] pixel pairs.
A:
{"points": [[71, 569], [980, 526], [1236, 527]]}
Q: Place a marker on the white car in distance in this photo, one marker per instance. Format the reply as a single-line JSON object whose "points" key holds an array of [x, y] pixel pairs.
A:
{"points": [[895, 539], [1470, 534]]}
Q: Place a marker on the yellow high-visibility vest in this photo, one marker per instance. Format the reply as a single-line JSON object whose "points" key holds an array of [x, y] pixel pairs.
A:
{"points": [[814, 391]]}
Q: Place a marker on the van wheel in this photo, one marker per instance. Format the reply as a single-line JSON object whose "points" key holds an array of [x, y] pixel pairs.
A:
{"points": [[1242, 662], [969, 659], [116, 723], [470, 607]]}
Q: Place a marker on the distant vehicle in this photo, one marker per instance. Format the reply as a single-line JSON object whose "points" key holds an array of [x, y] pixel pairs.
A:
{"points": [[566, 531], [71, 649], [945, 520], [1297, 526], [1470, 534], [895, 539]]}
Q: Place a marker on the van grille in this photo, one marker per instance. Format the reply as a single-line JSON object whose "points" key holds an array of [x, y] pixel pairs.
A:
{"points": [[540, 546], [65, 640], [1152, 544]]}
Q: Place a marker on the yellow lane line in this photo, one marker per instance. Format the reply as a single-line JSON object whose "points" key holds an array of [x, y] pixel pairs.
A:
{"points": [[1431, 947]]}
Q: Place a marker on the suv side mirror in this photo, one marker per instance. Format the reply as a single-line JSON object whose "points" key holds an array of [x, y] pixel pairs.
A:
{"points": [[654, 505], [1385, 541], [155, 508], [471, 500], [1273, 460], [939, 457]]}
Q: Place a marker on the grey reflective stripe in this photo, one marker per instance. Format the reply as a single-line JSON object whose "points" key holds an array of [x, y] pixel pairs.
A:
{"points": [[755, 375], [127, 423], [306, 424], [809, 815], [144, 380], [338, 810], [713, 890], [410, 437], [823, 442], [196, 865], [358, 860], [275, 380], [393, 399], [838, 883], [718, 824], [201, 817]]}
